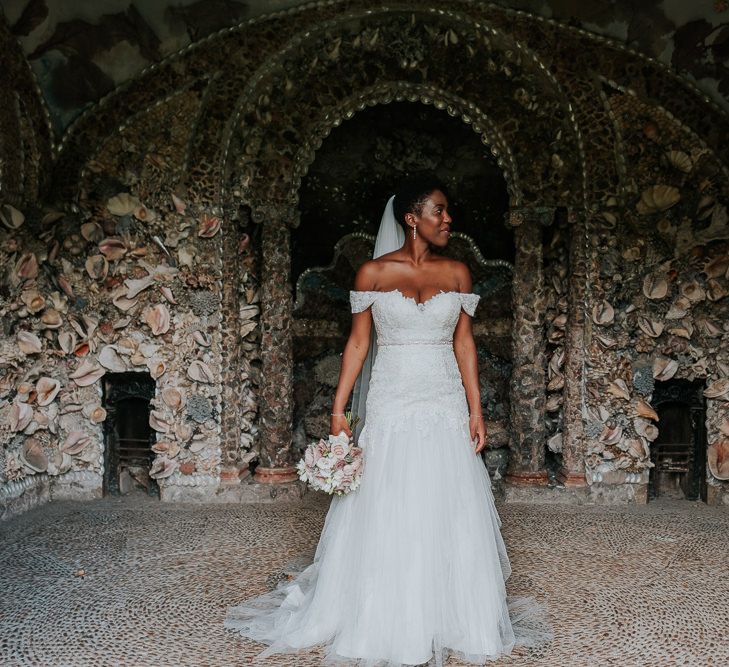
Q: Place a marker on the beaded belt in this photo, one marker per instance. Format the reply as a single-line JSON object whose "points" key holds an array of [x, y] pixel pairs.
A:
{"points": [[419, 342]]}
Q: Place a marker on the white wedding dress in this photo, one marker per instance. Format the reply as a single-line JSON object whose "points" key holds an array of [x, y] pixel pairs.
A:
{"points": [[410, 567]]}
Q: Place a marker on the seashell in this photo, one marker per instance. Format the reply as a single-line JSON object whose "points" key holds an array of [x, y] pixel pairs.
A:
{"points": [[26, 268], [138, 359], [51, 318], [97, 267], [645, 428], [637, 448], [11, 217], [112, 249], [209, 226], [158, 422], [718, 388], [65, 285], [158, 319], [46, 389], [28, 342], [167, 293], [619, 388], [67, 341], [179, 205], [655, 287], [554, 402], [110, 359], [172, 397], [121, 323], [684, 331], [122, 204], [606, 341], [87, 373], [718, 458], [200, 372], [135, 287], [715, 291], [197, 445], [126, 346], [708, 328], [183, 431], [75, 443], [156, 367], [664, 368], [645, 409], [680, 160], [717, 267], [33, 456], [245, 329], [657, 198], [611, 435], [603, 313], [678, 308], [144, 214], [162, 467], [650, 328], [202, 338], [98, 415], [33, 301], [555, 443], [123, 303], [556, 383], [91, 231], [693, 291], [21, 415]]}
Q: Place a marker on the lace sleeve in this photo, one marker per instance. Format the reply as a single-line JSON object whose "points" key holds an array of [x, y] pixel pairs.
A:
{"points": [[469, 302], [360, 300]]}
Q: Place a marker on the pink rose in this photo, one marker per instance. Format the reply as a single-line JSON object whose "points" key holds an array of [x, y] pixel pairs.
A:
{"points": [[309, 456], [338, 451], [339, 465]]}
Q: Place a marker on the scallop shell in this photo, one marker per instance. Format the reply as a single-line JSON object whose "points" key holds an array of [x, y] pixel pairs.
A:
{"points": [[158, 319], [91, 231], [655, 287], [658, 198], [200, 372], [112, 249], [122, 204], [209, 226], [97, 267], [619, 388], [645, 409], [75, 443], [718, 388], [21, 415], [51, 318], [693, 291], [87, 373], [718, 458], [110, 359], [33, 456], [664, 368], [11, 217], [678, 308], [46, 390], [603, 313], [650, 327], [680, 160], [29, 343], [67, 341], [172, 397]]}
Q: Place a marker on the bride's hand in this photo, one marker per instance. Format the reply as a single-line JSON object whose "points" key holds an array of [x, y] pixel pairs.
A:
{"points": [[477, 428], [338, 424]]}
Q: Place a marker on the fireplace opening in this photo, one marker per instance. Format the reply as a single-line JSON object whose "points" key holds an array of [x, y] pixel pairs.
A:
{"points": [[128, 436], [679, 451]]}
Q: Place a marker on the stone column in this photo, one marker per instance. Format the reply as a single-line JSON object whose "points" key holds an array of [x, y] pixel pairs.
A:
{"points": [[276, 389], [528, 378], [572, 472]]}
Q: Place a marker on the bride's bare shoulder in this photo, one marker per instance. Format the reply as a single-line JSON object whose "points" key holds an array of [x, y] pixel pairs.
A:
{"points": [[373, 270]]}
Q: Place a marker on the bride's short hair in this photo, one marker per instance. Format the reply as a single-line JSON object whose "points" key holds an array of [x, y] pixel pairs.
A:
{"points": [[411, 194]]}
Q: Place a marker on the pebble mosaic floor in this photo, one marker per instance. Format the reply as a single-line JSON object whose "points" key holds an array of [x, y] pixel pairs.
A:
{"points": [[130, 582]]}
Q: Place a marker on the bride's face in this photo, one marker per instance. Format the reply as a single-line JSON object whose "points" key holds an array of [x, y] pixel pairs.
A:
{"points": [[433, 222]]}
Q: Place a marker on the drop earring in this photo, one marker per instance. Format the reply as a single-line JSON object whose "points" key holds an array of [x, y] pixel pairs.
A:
{"points": [[415, 227]]}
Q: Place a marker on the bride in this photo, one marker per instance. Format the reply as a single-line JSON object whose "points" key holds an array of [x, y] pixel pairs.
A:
{"points": [[410, 567]]}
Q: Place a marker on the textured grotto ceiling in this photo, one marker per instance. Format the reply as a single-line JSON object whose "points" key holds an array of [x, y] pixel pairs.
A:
{"points": [[81, 50]]}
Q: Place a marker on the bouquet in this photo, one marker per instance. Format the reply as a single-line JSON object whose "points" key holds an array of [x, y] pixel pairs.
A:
{"points": [[333, 465]]}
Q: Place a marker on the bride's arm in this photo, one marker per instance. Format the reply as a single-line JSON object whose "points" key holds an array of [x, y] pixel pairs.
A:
{"points": [[355, 350], [465, 350]]}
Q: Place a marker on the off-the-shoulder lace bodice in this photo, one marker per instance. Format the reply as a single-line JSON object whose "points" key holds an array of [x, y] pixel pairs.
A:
{"points": [[400, 319]]}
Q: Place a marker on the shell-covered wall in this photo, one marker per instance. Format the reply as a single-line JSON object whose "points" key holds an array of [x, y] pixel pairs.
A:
{"points": [[146, 237]]}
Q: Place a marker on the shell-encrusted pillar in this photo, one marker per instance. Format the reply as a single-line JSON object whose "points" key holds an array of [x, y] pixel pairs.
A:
{"points": [[276, 389], [528, 378], [573, 443]]}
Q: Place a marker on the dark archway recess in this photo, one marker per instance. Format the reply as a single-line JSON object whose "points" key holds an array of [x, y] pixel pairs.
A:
{"points": [[127, 434], [679, 451], [361, 162]]}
